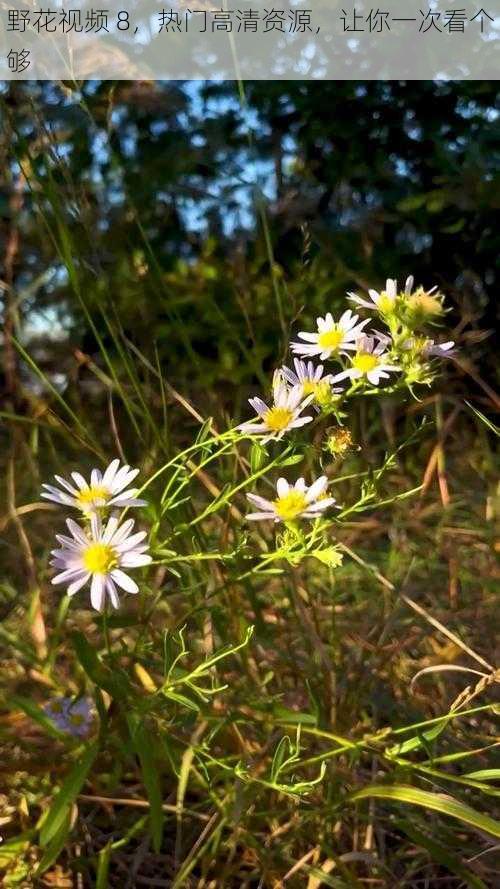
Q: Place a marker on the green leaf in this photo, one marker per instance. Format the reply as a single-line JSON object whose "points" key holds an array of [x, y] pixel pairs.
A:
{"points": [[329, 556], [144, 747], [291, 461], [422, 739], [181, 699], [283, 749], [258, 455], [205, 431], [484, 775], [59, 810], [436, 801], [56, 845]]}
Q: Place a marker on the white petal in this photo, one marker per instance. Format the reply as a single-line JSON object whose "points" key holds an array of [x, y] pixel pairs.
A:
{"points": [[65, 484], [110, 529], [122, 532], [294, 398], [282, 487], [68, 542], [359, 301], [96, 527], [250, 428], [305, 349], [308, 337], [123, 479], [300, 421], [77, 584], [257, 516], [317, 488], [80, 481], [342, 376], [107, 479], [69, 574], [130, 542], [121, 500], [320, 505], [391, 288], [95, 477], [289, 376], [58, 497], [259, 501], [281, 395], [135, 559], [258, 405], [124, 581], [97, 588], [112, 593], [76, 531], [129, 494]]}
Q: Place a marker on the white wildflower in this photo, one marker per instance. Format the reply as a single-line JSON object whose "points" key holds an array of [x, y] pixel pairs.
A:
{"points": [[283, 415], [385, 301], [311, 381], [98, 555], [370, 361], [108, 489], [293, 501], [332, 337]]}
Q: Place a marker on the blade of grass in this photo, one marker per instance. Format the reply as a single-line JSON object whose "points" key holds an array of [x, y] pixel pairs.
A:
{"points": [[446, 805]]}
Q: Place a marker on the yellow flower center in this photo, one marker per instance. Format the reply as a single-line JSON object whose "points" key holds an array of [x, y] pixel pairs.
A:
{"points": [[331, 339], [365, 362], [290, 506], [425, 303], [76, 719], [385, 304], [320, 390], [419, 343], [99, 558], [56, 707], [88, 496], [278, 418]]}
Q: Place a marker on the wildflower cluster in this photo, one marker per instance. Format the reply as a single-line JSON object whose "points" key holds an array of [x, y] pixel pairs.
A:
{"points": [[407, 314], [99, 550], [74, 717], [366, 359]]}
